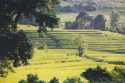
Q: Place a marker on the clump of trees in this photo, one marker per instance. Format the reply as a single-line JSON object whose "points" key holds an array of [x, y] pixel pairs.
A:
{"points": [[73, 80], [54, 80], [15, 49], [93, 75], [31, 78], [101, 75], [97, 75], [85, 21], [99, 22]]}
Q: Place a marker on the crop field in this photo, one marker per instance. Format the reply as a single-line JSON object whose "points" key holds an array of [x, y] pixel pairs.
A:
{"points": [[63, 63], [59, 58]]}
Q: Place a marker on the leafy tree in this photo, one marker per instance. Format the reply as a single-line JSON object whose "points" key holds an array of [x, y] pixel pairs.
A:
{"points": [[99, 22], [81, 47], [46, 15], [47, 21], [115, 21], [14, 44], [15, 47]]}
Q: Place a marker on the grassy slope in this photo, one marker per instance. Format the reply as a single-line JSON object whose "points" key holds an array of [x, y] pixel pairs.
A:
{"points": [[63, 63], [55, 62]]}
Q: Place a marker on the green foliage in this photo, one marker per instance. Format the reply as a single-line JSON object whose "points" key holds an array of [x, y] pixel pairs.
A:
{"points": [[97, 75], [32, 79], [115, 16], [99, 22], [5, 66], [15, 49], [119, 74], [15, 45], [22, 81], [54, 80], [73, 80]]}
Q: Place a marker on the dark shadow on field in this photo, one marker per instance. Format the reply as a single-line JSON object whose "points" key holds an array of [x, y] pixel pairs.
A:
{"points": [[109, 62], [118, 51], [55, 40]]}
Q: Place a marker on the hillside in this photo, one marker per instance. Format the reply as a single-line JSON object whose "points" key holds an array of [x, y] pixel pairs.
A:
{"points": [[99, 3], [64, 63], [93, 39]]}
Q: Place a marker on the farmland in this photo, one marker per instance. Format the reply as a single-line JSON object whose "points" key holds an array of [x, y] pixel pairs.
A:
{"points": [[103, 48]]}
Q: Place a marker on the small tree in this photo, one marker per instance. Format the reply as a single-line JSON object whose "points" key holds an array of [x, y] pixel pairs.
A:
{"points": [[115, 21], [80, 45]]}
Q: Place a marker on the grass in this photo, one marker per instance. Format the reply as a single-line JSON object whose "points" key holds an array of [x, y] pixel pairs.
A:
{"points": [[61, 63], [93, 39]]}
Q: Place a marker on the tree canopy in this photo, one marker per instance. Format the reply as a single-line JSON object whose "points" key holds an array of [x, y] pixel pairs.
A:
{"points": [[10, 11], [14, 45]]}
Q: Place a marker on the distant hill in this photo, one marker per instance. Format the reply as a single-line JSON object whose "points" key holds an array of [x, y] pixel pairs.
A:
{"points": [[98, 4]]}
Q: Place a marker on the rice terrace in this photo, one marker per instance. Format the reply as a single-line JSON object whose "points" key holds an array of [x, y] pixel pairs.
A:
{"points": [[62, 41]]}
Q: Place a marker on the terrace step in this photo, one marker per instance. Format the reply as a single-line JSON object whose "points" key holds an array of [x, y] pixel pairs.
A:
{"points": [[94, 39]]}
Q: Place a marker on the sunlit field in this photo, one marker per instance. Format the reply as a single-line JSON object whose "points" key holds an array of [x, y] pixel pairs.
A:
{"points": [[63, 63]]}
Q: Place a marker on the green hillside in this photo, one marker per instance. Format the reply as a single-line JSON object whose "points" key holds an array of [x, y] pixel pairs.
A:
{"points": [[62, 61], [93, 39]]}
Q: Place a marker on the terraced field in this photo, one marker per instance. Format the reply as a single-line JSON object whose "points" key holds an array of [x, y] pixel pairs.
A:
{"points": [[91, 39], [63, 63], [59, 58]]}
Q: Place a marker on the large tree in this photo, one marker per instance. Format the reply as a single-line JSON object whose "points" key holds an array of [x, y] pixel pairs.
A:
{"points": [[14, 45], [99, 22]]}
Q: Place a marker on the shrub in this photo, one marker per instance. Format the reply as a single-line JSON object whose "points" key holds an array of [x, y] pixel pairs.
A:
{"points": [[22, 81], [97, 74], [54, 80], [32, 79], [73, 80]]}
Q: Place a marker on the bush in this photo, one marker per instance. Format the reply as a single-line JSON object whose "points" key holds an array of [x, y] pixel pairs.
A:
{"points": [[119, 74], [73, 80], [32, 79], [54, 80], [22, 81], [97, 74]]}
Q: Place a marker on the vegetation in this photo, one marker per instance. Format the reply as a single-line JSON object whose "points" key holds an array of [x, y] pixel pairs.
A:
{"points": [[54, 80], [14, 44], [32, 79], [115, 21], [99, 22], [97, 75], [73, 80], [55, 52], [93, 75]]}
